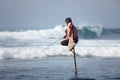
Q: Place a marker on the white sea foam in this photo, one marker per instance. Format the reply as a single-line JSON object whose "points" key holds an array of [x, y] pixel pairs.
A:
{"points": [[85, 32], [30, 44], [85, 48], [56, 32]]}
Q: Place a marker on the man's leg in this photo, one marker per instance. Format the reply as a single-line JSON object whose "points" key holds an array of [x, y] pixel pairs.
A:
{"points": [[65, 42]]}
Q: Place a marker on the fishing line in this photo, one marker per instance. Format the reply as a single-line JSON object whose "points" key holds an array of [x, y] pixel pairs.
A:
{"points": [[51, 44]]}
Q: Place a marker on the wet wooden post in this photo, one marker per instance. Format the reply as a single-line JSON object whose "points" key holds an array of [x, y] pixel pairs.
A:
{"points": [[76, 78]]}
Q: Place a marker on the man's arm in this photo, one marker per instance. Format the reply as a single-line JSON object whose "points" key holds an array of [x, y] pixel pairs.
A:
{"points": [[69, 30]]}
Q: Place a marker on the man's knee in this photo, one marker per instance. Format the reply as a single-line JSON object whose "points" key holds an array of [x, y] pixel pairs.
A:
{"points": [[61, 43], [64, 43]]}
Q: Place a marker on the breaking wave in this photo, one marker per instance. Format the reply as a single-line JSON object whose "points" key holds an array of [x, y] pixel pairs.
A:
{"points": [[84, 48], [86, 32], [90, 32], [31, 43], [56, 32]]}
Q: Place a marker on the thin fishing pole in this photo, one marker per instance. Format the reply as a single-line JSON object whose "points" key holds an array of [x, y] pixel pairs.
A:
{"points": [[50, 45]]}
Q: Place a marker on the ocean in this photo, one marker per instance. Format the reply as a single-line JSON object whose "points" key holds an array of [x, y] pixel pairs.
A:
{"points": [[38, 55]]}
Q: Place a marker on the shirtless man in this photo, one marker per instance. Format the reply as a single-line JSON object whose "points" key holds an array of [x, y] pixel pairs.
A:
{"points": [[71, 31]]}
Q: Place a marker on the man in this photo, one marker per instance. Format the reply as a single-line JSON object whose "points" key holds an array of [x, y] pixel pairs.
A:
{"points": [[71, 36]]}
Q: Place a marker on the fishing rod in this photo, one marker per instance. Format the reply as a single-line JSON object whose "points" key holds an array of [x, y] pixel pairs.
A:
{"points": [[51, 44]]}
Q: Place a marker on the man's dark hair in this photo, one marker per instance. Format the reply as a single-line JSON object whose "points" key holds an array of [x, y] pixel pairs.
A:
{"points": [[68, 19]]}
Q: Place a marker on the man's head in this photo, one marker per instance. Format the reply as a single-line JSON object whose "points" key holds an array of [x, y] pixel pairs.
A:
{"points": [[68, 20]]}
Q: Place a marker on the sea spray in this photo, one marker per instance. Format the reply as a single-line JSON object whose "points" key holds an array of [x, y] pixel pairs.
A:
{"points": [[30, 44], [86, 32], [84, 48]]}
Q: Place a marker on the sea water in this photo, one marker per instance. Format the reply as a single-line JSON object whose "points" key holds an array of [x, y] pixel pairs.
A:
{"points": [[38, 55]]}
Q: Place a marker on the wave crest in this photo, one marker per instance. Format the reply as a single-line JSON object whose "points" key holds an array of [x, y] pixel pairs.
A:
{"points": [[90, 31], [30, 52], [86, 32], [56, 32]]}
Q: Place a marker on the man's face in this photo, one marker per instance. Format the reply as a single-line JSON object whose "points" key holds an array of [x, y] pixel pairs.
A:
{"points": [[67, 22]]}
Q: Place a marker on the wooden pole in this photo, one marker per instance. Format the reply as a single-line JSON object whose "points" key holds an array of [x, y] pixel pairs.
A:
{"points": [[76, 78]]}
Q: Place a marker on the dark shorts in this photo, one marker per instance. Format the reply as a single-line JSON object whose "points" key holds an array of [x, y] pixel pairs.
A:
{"points": [[65, 42]]}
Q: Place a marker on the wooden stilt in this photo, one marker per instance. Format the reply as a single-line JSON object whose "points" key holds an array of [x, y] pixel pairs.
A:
{"points": [[76, 78]]}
